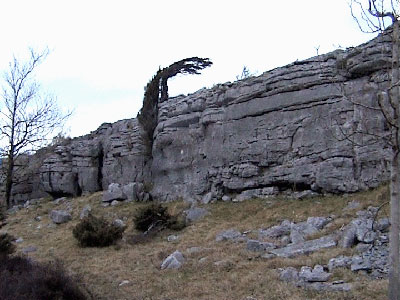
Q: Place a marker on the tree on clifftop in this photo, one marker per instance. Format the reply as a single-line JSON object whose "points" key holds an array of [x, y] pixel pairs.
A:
{"points": [[374, 17], [157, 90], [27, 116]]}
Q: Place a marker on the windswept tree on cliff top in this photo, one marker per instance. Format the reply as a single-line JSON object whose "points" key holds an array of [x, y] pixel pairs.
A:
{"points": [[157, 90], [28, 117]]}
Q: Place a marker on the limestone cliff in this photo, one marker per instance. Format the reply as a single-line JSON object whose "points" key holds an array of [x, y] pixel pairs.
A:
{"points": [[283, 130]]}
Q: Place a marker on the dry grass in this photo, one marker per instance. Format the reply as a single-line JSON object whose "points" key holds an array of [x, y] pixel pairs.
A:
{"points": [[240, 273]]}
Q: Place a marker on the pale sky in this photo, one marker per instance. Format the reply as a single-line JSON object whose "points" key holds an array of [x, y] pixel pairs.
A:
{"points": [[103, 53]]}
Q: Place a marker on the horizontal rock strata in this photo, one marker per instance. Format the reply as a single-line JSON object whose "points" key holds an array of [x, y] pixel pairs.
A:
{"points": [[285, 130]]}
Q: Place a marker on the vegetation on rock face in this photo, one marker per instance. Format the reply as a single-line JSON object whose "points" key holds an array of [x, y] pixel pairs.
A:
{"points": [[157, 90], [22, 279], [94, 231]]}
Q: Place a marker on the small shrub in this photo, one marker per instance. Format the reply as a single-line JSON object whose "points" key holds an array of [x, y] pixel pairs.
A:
{"points": [[96, 232], [23, 279], [156, 216], [6, 244]]}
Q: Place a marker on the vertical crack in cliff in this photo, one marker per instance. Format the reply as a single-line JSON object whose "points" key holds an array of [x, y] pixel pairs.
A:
{"points": [[100, 167]]}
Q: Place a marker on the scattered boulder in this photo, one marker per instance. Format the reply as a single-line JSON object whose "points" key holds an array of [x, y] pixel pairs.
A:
{"points": [[230, 235], [207, 198], [173, 261], [296, 234], [29, 249], [195, 213], [313, 278], [60, 216], [358, 264], [119, 223], [304, 194], [114, 192], [172, 238], [339, 262], [318, 222], [306, 247], [289, 274], [226, 198], [85, 211], [352, 205], [316, 274], [276, 231], [60, 200], [224, 264], [130, 191], [257, 246], [382, 225], [124, 282], [364, 231], [348, 239]]}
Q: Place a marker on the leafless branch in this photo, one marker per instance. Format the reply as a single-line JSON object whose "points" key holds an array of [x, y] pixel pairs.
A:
{"points": [[28, 116]]}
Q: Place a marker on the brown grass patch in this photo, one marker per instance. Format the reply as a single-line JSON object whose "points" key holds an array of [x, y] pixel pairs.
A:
{"points": [[238, 273]]}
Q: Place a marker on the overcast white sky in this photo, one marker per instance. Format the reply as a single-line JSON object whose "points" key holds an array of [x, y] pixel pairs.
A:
{"points": [[103, 53]]}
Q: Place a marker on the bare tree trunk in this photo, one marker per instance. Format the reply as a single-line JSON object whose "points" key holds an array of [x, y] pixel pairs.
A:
{"points": [[9, 179], [394, 283], [394, 259]]}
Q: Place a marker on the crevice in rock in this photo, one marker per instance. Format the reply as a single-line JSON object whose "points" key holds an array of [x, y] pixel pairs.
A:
{"points": [[100, 167], [77, 187]]}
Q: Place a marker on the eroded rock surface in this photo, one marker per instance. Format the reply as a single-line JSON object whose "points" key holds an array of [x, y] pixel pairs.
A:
{"points": [[281, 131], [113, 154]]}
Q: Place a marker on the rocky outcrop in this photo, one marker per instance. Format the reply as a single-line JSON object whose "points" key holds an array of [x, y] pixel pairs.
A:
{"points": [[114, 153], [286, 130]]}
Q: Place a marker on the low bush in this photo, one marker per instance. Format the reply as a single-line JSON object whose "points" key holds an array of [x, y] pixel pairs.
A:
{"points": [[22, 279], [94, 231], [156, 216], [6, 244]]}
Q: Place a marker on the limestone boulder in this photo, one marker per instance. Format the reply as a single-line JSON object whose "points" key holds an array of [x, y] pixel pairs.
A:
{"points": [[173, 261], [60, 216]]}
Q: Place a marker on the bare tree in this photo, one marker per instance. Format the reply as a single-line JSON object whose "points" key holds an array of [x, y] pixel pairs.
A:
{"points": [[28, 117], [376, 16]]}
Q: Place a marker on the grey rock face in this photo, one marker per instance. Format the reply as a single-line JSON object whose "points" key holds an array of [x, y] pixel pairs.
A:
{"points": [[275, 130], [114, 153], [60, 216], [280, 131], [173, 261]]}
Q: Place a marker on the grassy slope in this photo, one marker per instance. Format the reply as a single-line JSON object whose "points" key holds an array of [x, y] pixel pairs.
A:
{"points": [[241, 275]]}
